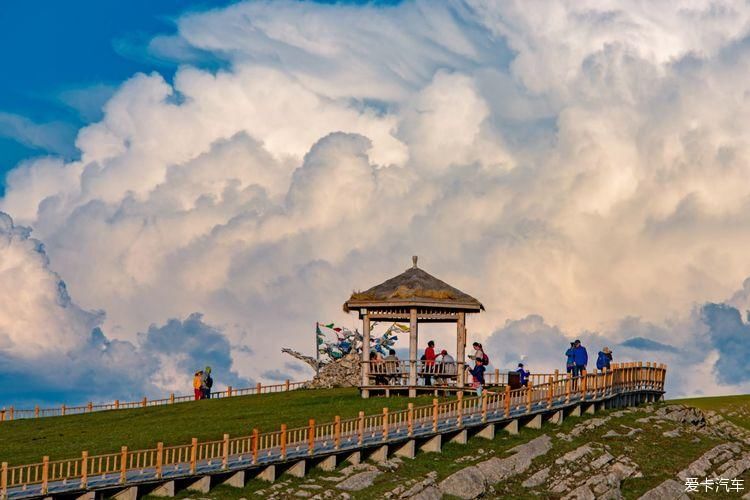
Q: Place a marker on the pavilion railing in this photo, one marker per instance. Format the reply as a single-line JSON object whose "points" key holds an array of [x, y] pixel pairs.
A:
{"points": [[384, 372], [12, 413], [266, 447]]}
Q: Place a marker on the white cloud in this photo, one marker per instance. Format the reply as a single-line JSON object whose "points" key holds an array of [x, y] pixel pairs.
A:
{"points": [[584, 162]]}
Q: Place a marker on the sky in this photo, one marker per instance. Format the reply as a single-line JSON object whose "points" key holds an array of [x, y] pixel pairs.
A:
{"points": [[192, 183]]}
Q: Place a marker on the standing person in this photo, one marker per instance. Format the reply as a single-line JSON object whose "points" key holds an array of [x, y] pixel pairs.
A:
{"points": [[429, 362], [581, 358], [524, 374], [478, 373], [198, 384], [604, 359], [479, 353], [570, 363], [206, 383]]}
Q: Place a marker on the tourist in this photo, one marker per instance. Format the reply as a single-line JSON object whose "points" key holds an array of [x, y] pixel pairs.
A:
{"points": [[570, 363], [429, 362], [446, 365], [377, 368], [206, 383], [391, 367], [581, 359], [479, 354], [478, 373], [604, 359], [198, 384], [523, 374]]}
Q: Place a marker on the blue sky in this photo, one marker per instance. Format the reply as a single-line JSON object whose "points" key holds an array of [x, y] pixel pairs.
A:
{"points": [[63, 59]]}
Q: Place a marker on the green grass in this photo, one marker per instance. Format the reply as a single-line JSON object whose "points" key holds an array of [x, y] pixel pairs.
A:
{"points": [[736, 409], [27, 441]]}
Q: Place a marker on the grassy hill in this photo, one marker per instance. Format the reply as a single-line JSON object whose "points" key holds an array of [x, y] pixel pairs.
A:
{"points": [[27, 441], [655, 447]]}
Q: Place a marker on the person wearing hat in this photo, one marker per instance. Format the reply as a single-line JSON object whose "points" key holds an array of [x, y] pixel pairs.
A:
{"points": [[604, 359], [524, 374]]}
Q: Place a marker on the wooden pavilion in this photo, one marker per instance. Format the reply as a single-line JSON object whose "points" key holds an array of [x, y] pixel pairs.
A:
{"points": [[417, 297]]}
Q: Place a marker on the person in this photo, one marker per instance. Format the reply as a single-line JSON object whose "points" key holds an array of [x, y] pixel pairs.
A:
{"points": [[524, 374], [206, 383], [604, 359], [446, 365], [570, 363], [581, 359], [391, 367], [479, 353], [197, 385], [478, 373], [377, 368], [429, 362]]}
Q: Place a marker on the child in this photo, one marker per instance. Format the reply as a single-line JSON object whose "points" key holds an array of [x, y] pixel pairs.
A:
{"points": [[478, 373]]}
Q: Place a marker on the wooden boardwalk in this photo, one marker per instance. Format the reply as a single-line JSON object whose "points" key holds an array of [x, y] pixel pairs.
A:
{"points": [[233, 461]]}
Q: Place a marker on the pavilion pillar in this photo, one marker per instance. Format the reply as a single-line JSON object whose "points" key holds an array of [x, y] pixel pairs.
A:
{"points": [[460, 348], [413, 339], [365, 352]]}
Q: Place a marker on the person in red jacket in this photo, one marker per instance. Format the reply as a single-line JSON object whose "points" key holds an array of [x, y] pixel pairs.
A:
{"points": [[429, 362]]}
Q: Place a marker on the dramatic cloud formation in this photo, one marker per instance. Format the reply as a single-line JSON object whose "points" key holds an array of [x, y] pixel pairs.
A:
{"points": [[581, 162]]}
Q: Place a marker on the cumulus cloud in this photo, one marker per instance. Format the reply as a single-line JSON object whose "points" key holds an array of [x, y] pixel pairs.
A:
{"points": [[584, 163]]}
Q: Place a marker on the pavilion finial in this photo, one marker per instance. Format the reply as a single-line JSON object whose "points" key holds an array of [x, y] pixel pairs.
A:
{"points": [[414, 260]]}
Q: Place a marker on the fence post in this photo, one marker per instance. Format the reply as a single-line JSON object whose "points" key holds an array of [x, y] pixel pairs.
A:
{"points": [[282, 445], [361, 427], [45, 474], [123, 464], [225, 452], [90, 406], [484, 406], [434, 415], [286, 385], [497, 376], [62, 410], [410, 419], [507, 401], [310, 436], [84, 469], [385, 424], [258, 388], [117, 404], [145, 401], [255, 445], [36, 411], [159, 458], [4, 481], [193, 455], [550, 391], [229, 391], [337, 432], [171, 398], [584, 380], [528, 396], [557, 374], [460, 409], [12, 413], [2, 415]]}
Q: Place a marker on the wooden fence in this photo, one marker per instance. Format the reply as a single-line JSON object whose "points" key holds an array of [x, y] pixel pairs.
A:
{"points": [[12, 413], [260, 448]]}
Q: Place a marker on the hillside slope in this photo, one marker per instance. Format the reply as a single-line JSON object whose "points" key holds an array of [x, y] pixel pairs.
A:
{"points": [[616, 454]]}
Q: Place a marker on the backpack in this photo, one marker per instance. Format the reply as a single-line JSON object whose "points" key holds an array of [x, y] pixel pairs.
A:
{"points": [[485, 359], [209, 382]]}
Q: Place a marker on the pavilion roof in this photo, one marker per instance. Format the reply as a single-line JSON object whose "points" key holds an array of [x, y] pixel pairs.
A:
{"points": [[414, 288]]}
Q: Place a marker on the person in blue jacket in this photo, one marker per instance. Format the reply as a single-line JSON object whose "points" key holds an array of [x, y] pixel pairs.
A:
{"points": [[570, 363], [604, 359], [581, 359], [524, 374]]}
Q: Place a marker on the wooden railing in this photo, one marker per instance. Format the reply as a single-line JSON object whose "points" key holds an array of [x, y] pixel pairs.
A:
{"points": [[12, 413], [267, 447], [397, 373]]}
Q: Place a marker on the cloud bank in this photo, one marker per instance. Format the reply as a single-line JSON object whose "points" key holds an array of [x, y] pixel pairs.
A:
{"points": [[577, 164]]}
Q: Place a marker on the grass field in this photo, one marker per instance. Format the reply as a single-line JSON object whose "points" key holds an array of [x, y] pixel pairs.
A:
{"points": [[27, 441]]}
